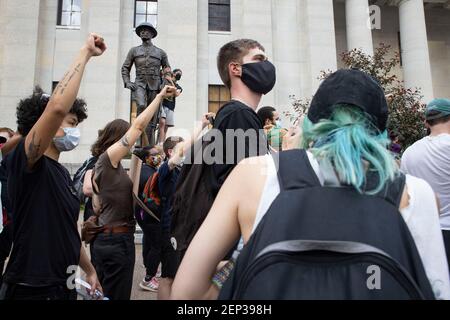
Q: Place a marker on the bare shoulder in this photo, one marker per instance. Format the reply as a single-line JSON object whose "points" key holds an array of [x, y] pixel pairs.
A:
{"points": [[253, 165], [251, 174]]}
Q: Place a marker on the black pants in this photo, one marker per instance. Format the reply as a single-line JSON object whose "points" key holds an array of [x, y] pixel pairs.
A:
{"points": [[6, 239], [170, 258], [114, 263], [19, 292], [446, 235], [151, 247]]}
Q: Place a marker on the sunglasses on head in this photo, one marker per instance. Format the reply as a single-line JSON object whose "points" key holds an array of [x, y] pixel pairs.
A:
{"points": [[45, 97]]}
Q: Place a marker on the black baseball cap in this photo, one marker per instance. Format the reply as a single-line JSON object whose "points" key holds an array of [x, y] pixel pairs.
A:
{"points": [[354, 87]]}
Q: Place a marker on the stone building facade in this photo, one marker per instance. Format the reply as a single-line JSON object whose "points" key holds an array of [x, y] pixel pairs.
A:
{"points": [[39, 38]]}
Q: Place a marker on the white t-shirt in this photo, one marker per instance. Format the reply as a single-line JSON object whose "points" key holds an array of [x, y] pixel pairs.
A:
{"points": [[421, 217], [429, 159]]}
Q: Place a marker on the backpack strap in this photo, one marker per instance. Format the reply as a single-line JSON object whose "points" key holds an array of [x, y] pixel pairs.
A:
{"points": [[393, 191], [294, 170], [329, 174]]}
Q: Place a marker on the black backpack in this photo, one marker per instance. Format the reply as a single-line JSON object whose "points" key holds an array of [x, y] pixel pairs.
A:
{"points": [[78, 178], [195, 194], [328, 242]]}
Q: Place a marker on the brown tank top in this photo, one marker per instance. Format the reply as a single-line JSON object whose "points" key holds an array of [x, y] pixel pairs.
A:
{"points": [[113, 203]]}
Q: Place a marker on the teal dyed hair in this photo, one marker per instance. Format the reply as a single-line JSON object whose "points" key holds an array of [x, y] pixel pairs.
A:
{"points": [[347, 138]]}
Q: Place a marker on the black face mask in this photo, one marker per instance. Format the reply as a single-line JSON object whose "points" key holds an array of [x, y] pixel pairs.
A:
{"points": [[178, 76], [260, 77]]}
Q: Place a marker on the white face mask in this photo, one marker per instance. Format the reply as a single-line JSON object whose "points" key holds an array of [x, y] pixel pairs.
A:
{"points": [[69, 141], [278, 123]]}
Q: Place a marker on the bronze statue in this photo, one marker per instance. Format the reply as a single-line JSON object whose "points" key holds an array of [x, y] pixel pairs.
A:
{"points": [[148, 61]]}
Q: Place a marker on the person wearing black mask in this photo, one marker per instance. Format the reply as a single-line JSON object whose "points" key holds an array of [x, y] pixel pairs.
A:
{"points": [[167, 114], [244, 68]]}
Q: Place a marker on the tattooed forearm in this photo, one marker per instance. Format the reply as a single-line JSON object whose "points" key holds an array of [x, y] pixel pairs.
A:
{"points": [[34, 150], [62, 85], [125, 141]]}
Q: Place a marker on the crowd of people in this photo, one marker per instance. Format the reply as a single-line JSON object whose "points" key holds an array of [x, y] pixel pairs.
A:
{"points": [[242, 208]]}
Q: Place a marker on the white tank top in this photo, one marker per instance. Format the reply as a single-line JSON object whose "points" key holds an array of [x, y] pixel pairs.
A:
{"points": [[421, 217]]}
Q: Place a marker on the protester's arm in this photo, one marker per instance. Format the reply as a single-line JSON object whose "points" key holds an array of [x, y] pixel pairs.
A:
{"points": [[11, 144], [176, 158], [121, 148], [87, 184], [61, 101], [181, 148], [91, 274], [193, 279], [186, 144], [292, 139]]}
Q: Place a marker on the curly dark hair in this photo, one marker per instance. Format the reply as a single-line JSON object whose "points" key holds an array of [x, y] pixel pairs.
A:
{"points": [[109, 135], [31, 108], [265, 113]]}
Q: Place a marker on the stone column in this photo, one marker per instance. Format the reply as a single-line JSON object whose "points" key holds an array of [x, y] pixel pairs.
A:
{"points": [[414, 43], [202, 58], [359, 33], [285, 24], [321, 39], [256, 23]]}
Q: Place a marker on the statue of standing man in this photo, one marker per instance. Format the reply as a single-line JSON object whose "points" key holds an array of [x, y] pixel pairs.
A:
{"points": [[148, 61]]}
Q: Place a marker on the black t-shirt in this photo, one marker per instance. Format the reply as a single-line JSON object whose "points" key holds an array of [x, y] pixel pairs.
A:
{"points": [[234, 116], [170, 103], [45, 213], [4, 193]]}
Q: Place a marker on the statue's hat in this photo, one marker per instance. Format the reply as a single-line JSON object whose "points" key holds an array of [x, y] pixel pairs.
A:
{"points": [[147, 25]]}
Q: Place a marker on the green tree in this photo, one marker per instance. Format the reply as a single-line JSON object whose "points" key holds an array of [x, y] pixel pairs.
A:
{"points": [[406, 111]]}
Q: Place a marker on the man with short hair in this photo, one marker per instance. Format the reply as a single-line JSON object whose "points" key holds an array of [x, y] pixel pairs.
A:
{"points": [[429, 159], [244, 68]]}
